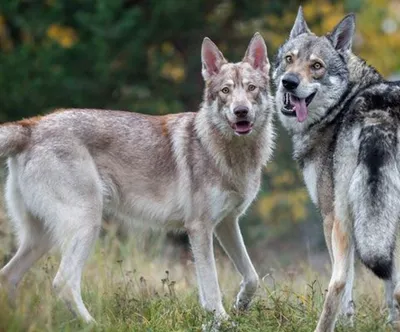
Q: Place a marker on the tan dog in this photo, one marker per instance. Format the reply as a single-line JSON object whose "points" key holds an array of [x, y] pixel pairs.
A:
{"points": [[193, 171]]}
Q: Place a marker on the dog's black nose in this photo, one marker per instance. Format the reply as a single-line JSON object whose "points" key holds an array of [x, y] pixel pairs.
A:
{"points": [[241, 111], [290, 81]]}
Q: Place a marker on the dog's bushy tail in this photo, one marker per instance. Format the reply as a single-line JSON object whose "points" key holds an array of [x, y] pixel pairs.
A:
{"points": [[13, 138], [375, 198]]}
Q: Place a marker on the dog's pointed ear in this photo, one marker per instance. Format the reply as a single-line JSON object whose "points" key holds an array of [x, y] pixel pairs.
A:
{"points": [[256, 53], [300, 25], [211, 58], [342, 35]]}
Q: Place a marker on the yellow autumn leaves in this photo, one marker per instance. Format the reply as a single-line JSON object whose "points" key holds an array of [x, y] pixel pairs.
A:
{"points": [[173, 69], [63, 35], [285, 200], [173, 66], [377, 36], [5, 40]]}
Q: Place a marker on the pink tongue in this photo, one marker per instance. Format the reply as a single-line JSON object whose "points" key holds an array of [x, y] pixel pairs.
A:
{"points": [[242, 126], [300, 107]]}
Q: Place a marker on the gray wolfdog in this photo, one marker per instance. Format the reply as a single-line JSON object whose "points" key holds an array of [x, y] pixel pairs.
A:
{"points": [[344, 121], [193, 171]]}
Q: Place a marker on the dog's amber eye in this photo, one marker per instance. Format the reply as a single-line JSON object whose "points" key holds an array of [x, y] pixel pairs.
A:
{"points": [[251, 87], [317, 66], [225, 90], [288, 59]]}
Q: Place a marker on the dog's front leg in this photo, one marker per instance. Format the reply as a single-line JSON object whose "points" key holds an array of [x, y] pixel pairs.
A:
{"points": [[201, 240], [230, 237], [342, 251]]}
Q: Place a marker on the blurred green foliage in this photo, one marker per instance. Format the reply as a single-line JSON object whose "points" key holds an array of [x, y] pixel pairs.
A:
{"points": [[144, 56], [137, 55]]}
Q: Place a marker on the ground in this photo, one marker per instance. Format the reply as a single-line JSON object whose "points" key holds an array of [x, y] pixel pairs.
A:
{"points": [[126, 290]]}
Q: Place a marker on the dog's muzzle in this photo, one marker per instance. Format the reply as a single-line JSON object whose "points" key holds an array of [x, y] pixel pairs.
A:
{"points": [[242, 127], [295, 106]]}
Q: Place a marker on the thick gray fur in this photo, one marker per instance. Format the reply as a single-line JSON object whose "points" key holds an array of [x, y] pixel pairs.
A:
{"points": [[348, 151]]}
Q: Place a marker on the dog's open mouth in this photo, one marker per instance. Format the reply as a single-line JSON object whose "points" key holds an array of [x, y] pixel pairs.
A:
{"points": [[242, 127], [294, 106]]}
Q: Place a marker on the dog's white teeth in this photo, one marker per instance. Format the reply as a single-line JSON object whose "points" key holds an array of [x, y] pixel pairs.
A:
{"points": [[287, 100]]}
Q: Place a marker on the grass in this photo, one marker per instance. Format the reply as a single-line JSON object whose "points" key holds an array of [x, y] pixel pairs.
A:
{"points": [[128, 291]]}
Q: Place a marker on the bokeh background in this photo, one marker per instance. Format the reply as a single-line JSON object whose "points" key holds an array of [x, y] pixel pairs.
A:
{"points": [[144, 56]]}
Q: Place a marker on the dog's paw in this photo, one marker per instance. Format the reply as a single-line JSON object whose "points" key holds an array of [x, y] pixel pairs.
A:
{"points": [[395, 326], [346, 316], [217, 325], [393, 316], [345, 321], [246, 294], [243, 301], [241, 304], [89, 320]]}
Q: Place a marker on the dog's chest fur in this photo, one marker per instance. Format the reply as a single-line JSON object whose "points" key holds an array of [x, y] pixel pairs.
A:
{"points": [[224, 199]]}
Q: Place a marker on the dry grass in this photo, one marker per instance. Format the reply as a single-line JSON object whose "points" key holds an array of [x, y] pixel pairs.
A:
{"points": [[126, 290]]}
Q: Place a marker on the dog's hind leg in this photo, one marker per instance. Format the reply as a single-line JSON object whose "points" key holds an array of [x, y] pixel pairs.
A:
{"points": [[342, 252], [81, 236], [230, 237], [347, 305], [29, 251], [33, 240], [328, 225], [392, 296], [390, 300]]}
